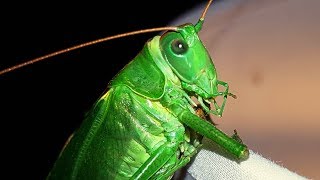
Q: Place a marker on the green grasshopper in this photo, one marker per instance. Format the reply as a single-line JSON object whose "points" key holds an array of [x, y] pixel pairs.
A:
{"points": [[145, 125]]}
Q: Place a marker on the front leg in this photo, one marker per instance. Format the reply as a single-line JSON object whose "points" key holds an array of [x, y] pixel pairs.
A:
{"points": [[208, 130]]}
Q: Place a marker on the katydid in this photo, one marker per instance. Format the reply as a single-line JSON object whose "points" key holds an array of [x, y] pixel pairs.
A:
{"points": [[145, 125]]}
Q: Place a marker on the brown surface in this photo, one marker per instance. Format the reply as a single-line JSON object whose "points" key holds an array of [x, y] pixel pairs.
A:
{"points": [[269, 53]]}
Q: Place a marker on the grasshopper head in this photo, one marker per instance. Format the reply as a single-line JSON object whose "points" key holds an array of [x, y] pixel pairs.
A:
{"points": [[190, 61]]}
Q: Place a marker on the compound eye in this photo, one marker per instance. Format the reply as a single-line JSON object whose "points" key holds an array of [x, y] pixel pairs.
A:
{"points": [[179, 46]]}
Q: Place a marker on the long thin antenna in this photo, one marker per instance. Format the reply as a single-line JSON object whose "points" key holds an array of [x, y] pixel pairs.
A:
{"points": [[205, 11], [199, 24], [18, 66]]}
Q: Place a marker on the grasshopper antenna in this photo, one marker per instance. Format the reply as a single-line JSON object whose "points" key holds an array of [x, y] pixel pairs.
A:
{"points": [[198, 26], [205, 11], [45, 57]]}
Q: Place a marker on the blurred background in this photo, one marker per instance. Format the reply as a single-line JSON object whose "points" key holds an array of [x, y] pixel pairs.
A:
{"points": [[268, 52]]}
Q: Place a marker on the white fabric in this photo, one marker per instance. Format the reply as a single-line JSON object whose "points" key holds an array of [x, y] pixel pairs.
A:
{"points": [[212, 164]]}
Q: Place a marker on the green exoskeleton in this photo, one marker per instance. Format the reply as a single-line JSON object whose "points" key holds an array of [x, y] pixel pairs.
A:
{"points": [[145, 125]]}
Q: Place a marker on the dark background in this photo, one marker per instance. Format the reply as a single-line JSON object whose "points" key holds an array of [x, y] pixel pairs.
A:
{"points": [[42, 104]]}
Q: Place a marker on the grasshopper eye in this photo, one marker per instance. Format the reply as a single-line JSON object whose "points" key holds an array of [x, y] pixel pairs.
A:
{"points": [[179, 46]]}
